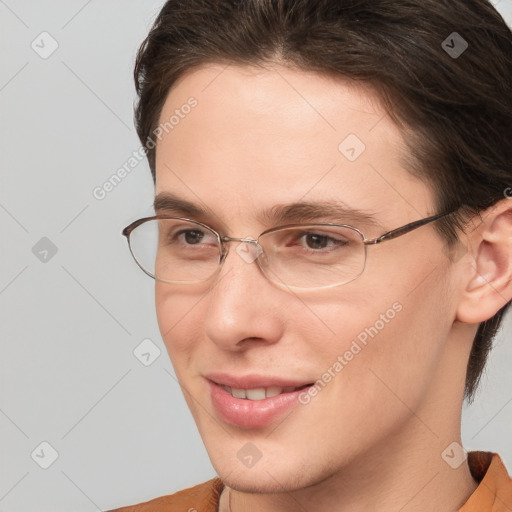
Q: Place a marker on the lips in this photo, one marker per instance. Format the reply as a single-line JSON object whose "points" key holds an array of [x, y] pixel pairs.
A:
{"points": [[253, 380], [253, 401]]}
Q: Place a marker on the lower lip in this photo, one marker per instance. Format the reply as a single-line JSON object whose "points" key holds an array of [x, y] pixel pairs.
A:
{"points": [[247, 413]]}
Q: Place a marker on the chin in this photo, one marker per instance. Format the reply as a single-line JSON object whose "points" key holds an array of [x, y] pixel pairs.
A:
{"points": [[273, 474], [263, 482]]}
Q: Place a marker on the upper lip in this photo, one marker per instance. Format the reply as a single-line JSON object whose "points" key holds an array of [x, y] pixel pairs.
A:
{"points": [[254, 381]]}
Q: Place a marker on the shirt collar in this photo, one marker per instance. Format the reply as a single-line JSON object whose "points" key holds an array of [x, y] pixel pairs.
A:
{"points": [[494, 492]]}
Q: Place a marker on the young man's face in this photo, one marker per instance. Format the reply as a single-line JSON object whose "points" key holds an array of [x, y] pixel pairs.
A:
{"points": [[261, 138]]}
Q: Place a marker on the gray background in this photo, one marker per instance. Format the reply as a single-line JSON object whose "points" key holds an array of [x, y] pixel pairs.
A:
{"points": [[70, 321]]}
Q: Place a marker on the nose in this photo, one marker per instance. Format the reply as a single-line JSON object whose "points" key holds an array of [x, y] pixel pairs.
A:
{"points": [[248, 249], [244, 307]]}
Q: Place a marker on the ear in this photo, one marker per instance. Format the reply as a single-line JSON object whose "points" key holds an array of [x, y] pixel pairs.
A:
{"points": [[487, 266]]}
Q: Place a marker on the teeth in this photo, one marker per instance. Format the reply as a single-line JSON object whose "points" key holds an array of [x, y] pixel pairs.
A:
{"points": [[238, 393], [257, 393], [274, 391]]}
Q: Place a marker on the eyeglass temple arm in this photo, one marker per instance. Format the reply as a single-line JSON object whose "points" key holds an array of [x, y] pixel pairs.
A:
{"points": [[394, 233], [128, 229]]}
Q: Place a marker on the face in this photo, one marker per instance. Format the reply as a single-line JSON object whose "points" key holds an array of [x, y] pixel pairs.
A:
{"points": [[255, 139]]}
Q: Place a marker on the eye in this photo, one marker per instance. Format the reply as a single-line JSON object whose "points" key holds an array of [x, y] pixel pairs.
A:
{"points": [[319, 241], [316, 241], [191, 236], [182, 234]]}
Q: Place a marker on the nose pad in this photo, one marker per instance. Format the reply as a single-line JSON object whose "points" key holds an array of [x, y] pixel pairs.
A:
{"points": [[249, 250]]}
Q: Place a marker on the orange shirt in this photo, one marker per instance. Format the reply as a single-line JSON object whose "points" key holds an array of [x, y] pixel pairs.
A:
{"points": [[493, 494]]}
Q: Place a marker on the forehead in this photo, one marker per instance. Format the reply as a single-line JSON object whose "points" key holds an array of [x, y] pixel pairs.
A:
{"points": [[256, 137]]}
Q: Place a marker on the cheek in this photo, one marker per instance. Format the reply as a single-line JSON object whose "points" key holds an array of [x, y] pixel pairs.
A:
{"points": [[177, 315], [389, 341]]}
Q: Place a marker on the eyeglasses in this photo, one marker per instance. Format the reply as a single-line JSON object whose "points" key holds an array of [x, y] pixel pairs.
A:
{"points": [[298, 256]]}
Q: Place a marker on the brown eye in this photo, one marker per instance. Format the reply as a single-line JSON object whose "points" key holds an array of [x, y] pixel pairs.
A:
{"points": [[192, 237], [316, 241], [319, 241]]}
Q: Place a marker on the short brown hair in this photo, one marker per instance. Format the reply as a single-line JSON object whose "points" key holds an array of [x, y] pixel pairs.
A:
{"points": [[455, 110]]}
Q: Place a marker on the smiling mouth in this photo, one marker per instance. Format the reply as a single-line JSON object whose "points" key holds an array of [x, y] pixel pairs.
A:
{"points": [[253, 401], [261, 393]]}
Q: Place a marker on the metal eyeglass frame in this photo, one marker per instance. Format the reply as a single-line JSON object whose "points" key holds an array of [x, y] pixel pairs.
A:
{"points": [[389, 235]]}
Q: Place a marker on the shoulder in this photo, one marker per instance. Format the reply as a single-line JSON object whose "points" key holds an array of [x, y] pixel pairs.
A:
{"points": [[200, 498]]}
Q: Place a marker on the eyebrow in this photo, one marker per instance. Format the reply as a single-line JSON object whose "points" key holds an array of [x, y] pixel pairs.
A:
{"points": [[166, 203]]}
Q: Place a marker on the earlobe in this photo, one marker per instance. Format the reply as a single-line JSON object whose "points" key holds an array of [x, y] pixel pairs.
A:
{"points": [[488, 282]]}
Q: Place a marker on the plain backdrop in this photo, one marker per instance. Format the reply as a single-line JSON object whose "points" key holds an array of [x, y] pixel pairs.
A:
{"points": [[111, 428]]}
